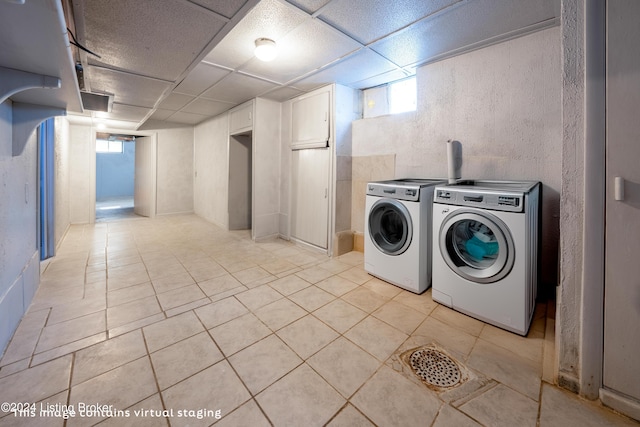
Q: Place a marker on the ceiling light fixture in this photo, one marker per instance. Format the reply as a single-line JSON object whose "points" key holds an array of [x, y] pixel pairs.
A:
{"points": [[266, 49]]}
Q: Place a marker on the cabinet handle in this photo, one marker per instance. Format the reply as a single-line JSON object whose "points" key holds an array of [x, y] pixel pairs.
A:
{"points": [[618, 188]]}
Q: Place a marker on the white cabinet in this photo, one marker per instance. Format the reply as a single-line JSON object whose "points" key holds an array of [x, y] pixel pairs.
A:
{"points": [[310, 190], [241, 118], [310, 121], [319, 165]]}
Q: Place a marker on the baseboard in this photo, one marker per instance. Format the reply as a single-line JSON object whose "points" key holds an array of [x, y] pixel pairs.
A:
{"points": [[620, 403], [175, 213], [358, 241], [342, 242]]}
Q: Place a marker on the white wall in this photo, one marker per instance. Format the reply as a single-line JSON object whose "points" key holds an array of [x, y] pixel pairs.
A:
{"points": [[175, 171], [19, 253], [285, 168], [61, 180], [211, 170], [503, 103], [266, 142], [82, 184]]}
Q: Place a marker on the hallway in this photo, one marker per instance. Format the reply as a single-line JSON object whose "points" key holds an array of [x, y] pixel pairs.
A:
{"points": [[175, 314]]}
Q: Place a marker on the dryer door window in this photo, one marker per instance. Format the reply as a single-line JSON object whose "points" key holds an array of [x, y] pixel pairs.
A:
{"points": [[390, 226], [477, 246]]}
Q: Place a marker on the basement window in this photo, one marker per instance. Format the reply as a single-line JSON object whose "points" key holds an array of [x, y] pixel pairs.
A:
{"points": [[108, 146], [392, 98], [402, 96]]}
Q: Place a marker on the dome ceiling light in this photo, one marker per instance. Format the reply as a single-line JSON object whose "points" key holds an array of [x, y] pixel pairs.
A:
{"points": [[266, 49]]}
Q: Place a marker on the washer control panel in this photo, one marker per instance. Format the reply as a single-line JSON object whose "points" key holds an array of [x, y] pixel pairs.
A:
{"points": [[393, 192]]}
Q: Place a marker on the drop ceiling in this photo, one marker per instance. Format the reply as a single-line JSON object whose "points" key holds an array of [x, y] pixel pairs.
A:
{"points": [[185, 61]]}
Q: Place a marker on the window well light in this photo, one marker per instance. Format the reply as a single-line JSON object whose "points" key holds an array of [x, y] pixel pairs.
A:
{"points": [[265, 49]]}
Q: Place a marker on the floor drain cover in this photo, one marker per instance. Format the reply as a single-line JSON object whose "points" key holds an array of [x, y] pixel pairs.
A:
{"points": [[435, 368]]}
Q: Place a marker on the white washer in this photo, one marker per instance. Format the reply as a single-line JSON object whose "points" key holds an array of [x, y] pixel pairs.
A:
{"points": [[485, 250], [397, 238]]}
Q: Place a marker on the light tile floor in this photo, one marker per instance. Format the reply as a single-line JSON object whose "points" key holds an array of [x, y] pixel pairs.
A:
{"points": [[174, 316], [115, 208]]}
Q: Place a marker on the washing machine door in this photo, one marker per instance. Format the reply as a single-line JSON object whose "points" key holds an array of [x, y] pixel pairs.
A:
{"points": [[390, 226], [477, 245]]}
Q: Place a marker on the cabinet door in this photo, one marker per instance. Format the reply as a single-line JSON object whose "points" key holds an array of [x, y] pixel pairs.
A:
{"points": [[622, 271], [241, 120], [310, 122], [309, 195]]}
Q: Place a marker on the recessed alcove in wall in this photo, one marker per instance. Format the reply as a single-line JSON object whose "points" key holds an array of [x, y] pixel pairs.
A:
{"points": [[240, 181]]}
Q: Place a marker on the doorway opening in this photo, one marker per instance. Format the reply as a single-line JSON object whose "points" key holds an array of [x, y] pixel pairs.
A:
{"points": [[115, 176], [240, 181]]}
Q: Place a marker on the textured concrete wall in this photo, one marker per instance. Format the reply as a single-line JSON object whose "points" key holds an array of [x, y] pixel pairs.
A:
{"points": [[366, 169], [175, 171], [211, 181], [19, 253], [348, 107], [569, 294], [503, 103]]}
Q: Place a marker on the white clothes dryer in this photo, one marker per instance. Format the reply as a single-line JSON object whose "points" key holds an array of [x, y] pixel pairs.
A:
{"points": [[397, 238], [485, 250]]}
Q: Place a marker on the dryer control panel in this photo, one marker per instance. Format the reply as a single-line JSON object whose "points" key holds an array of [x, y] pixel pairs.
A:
{"points": [[486, 199]]}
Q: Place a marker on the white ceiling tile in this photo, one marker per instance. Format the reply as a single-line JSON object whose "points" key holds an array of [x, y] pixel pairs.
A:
{"points": [[370, 20], [137, 38], [154, 41], [124, 112], [307, 48], [270, 18], [202, 77], [120, 124], [462, 27], [309, 6], [226, 8], [237, 88], [175, 101], [207, 107], [186, 118], [159, 114], [359, 66], [378, 80], [282, 94], [127, 88]]}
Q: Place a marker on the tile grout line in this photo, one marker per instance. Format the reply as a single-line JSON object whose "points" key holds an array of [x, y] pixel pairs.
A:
{"points": [[153, 370]]}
